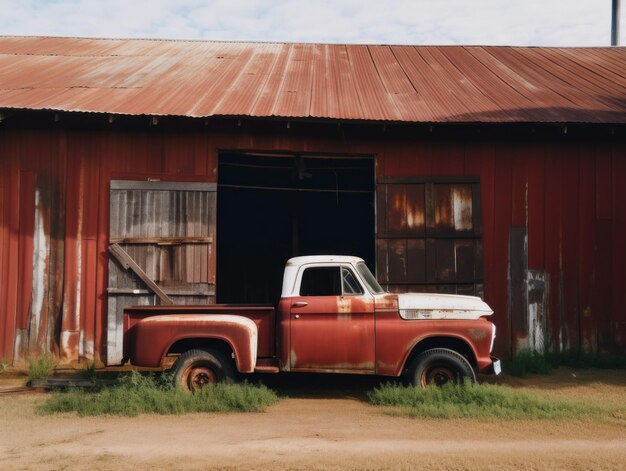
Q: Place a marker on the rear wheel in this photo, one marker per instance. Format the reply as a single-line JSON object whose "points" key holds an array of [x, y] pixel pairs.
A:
{"points": [[440, 366], [196, 368]]}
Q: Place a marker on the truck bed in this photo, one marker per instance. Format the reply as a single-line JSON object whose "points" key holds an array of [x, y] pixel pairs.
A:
{"points": [[264, 316]]}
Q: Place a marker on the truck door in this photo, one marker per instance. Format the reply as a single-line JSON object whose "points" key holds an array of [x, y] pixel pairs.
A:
{"points": [[332, 322]]}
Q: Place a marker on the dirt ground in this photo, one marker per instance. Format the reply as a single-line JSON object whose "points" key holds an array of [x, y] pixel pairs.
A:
{"points": [[324, 423]]}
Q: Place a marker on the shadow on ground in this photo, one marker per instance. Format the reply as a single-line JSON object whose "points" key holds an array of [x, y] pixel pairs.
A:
{"points": [[319, 385]]}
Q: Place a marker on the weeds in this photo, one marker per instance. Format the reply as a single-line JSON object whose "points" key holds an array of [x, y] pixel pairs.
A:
{"points": [[526, 361], [4, 365], [587, 360], [88, 372], [136, 394], [482, 402], [40, 367]]}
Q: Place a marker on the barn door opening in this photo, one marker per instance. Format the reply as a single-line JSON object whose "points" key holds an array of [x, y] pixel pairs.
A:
{"points": [[430, 235], [161, 248], [272, 207]]}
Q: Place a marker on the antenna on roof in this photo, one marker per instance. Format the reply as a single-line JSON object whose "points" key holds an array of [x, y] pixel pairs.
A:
{"points": [[615, 23]]}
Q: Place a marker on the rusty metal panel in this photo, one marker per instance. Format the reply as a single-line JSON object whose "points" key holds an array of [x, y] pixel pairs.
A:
{"points": [[586, 219], [619, 250], [415, 210], [446, 266], [416, 261], [518, 292], [429, 241], [499, 247], [396, 210], [462, 200], [366, 82], [536, 207], [397, 260], [604, 184], [443, 209], [465, 261]]}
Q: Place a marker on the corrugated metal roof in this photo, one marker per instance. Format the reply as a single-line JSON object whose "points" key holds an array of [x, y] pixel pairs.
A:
{"points": [[360, 82]]}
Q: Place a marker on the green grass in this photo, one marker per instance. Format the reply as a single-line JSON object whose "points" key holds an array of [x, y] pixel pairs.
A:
{"points": [[40, 367], [136, 394], [483, 402], [526, 362], [88, 372], [587, 360]]}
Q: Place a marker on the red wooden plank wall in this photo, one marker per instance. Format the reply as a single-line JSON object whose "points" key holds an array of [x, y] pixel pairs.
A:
{"points": [[71, 172], [567, 197]]}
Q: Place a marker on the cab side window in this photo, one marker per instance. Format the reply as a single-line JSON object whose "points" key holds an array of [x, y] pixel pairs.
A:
{"points": [[321, 281], [350, 284]]}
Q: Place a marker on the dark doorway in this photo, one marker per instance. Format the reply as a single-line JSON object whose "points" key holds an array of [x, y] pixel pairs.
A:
{"points": [[271, 207]]}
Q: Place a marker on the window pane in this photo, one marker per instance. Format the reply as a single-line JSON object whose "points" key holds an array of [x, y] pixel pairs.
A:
{"points": [[350, 285], [366, 274], [321, 281]]}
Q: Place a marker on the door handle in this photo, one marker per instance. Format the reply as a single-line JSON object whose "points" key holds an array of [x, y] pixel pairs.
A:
{"points": [[300, 304]]}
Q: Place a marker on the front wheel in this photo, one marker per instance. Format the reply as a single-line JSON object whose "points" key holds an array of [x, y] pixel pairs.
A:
{"points": [[440, 366], [196, 368]]}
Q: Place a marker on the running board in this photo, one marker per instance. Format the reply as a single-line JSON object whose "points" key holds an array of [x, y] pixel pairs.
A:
{"points": [[266, 365]]}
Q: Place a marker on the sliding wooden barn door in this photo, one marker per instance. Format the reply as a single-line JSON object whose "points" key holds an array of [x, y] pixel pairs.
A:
{"points": [[161, 248]]}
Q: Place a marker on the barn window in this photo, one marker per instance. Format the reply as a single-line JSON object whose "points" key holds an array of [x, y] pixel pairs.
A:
{"points": [[429, 235]]}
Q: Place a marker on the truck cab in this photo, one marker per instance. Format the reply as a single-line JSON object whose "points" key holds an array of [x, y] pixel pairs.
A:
{"points": [[332, 317]]}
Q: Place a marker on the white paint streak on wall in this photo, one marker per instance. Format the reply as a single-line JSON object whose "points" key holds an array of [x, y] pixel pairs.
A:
{"points": [[81, 339], [89, 348], [17, 348], [536, 283], [79, 249], [535, 330], [66, 336], [462, 204], [40, 257]]}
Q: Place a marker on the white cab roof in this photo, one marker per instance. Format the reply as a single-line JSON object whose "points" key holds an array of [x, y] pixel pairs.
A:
{"points": [[299, 261], [294, 264]]}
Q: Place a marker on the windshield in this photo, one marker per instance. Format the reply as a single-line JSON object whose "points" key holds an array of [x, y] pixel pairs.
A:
{"points": [[369, 279]]}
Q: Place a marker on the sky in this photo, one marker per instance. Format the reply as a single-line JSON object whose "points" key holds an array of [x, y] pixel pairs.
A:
{"points": [[441, 22]]}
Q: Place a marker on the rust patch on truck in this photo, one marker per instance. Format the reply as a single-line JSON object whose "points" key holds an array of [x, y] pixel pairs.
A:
{"points": [[477, 334], [344, 308]]}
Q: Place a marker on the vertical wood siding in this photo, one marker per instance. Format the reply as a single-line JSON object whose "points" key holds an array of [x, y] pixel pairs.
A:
{"points": [[559, 207], [159, 212]]}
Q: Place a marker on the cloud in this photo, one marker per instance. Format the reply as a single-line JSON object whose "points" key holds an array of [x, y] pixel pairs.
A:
{"points": [[489, 22]]}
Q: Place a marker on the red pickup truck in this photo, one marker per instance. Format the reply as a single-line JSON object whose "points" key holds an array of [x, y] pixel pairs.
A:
{"points": [[333, 317]]}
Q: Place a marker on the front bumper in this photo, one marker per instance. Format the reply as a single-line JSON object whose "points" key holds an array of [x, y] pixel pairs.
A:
{"points": [[496, 366]]}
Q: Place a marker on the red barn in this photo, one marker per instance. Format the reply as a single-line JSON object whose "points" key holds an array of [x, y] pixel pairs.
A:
{"points": [[144, 171]]}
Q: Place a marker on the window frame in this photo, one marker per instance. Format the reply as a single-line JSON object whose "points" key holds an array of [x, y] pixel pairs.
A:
{"points": [[339, 266]]}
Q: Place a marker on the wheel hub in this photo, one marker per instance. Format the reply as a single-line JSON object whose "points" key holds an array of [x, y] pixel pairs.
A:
{"points": [[438, 376], [200, 376]]}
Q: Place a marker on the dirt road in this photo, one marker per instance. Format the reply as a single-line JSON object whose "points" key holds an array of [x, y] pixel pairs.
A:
{"points": [[319, 427]]}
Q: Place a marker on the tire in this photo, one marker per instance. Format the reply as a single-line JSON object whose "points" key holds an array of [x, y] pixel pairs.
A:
{"points": [[196, 368], [440, 366]]}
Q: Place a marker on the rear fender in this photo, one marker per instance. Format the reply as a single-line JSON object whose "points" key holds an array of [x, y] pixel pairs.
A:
{"points": [[151, 338]]}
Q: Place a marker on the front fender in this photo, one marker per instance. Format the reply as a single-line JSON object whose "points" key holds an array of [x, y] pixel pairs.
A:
{"points": [[151, 338], [431, 337]]}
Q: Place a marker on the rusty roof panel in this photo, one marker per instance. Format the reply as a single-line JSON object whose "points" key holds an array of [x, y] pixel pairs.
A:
{"points": [[344, 82]]}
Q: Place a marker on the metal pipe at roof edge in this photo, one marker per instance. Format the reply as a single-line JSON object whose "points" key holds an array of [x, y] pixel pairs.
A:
{"points": [[615, 12]]}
